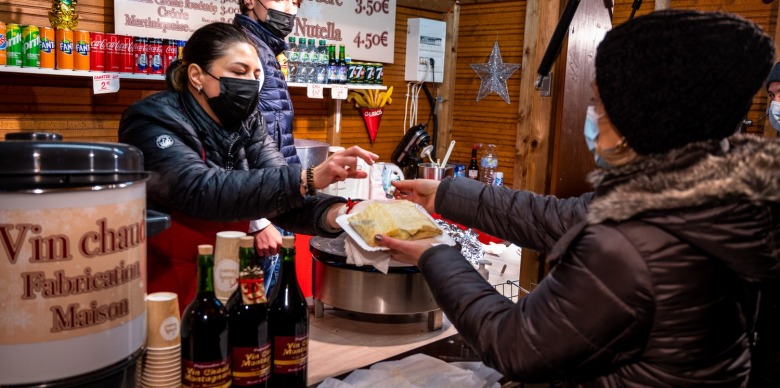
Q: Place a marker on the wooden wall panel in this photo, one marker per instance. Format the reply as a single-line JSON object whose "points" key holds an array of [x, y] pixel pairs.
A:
{"points": [[67, 105], [762, 14], [491, 120]]}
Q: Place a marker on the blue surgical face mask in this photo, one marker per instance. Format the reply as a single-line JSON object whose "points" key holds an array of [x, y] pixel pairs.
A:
{"points": [[774, 114], [592, 134]]}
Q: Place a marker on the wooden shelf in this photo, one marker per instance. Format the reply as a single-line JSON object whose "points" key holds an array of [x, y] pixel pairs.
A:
{"points": [[328, 86], [76, 73]]}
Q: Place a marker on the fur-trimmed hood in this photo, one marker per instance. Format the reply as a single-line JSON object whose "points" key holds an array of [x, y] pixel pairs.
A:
{"points": [[721, 197]]}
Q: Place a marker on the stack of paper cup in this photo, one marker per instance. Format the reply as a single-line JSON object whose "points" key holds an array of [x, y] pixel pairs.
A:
{"points": [[162, 362]]}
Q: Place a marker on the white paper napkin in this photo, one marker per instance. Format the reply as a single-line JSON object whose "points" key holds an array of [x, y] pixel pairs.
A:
{"points": [[419, 371]]}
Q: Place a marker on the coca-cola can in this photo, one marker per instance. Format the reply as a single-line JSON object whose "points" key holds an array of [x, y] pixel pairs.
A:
{"points": [[140, 65], [126, 53], [112, 53], [154, 54], [97, 51], [170, 53]]}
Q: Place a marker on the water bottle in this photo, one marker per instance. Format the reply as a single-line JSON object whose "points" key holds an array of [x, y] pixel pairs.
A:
{"points": [[322, 69], [314, 59], [303, 61], [292, 61], [488, 165]]}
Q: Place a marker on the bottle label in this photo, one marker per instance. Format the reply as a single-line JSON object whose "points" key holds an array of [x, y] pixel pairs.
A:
{"points": [[473, 174], [342, 73], [295, 56], [291, 353], [214, 374], [333, 73], [251, 365], [305, 57], [489, 162], [324, 59], [315, 58], [252, 287]]}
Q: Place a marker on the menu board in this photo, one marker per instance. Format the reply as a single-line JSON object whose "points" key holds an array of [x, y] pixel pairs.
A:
{"points": [[365, 27]]}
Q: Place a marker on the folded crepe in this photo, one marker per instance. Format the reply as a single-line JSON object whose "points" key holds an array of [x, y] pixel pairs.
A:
{"points": [[398, 219]]}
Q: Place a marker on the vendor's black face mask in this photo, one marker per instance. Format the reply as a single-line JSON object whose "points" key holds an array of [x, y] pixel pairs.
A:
{"points": [[278, 22], [237, 100]]}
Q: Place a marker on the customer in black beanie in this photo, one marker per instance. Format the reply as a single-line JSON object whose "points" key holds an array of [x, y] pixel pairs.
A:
{"points": [[676, 77], [655, 274]]}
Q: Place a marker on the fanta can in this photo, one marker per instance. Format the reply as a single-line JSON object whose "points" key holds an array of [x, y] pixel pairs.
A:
{"points": [[48, 47], [2, 43], [81, 50], [64, 39]]}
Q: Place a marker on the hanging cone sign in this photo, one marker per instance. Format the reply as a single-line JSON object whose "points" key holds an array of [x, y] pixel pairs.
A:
{"points": [[372, 117]]}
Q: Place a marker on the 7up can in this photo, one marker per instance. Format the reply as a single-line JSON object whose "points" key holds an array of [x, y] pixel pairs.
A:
{"points": [[31, 46], [13, 45]]}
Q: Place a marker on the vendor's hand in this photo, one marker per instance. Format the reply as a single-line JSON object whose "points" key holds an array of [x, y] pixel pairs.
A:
{"points": [[408, 252], [419, 191], [342, 165], [268, 241]]}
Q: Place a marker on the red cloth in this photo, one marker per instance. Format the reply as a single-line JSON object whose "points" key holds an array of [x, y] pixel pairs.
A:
{"points": [[172, 263], [483, 238]]}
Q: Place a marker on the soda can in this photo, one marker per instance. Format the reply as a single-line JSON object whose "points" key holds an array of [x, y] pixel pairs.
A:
{"points": [[111, 56], [81, 53], [97, 51], [351, 72], [31, 46], [64, 43], [2, 44], [370, 73], [48, 47], [13, 48], [170, 53], [181, 44], [154, 52], [379, 78], [126, 54], [139, 56]]}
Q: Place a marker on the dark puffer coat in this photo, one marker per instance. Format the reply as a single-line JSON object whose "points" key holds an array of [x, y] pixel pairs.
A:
{"points": [[275, 103], [210, 180], [650, 277]]}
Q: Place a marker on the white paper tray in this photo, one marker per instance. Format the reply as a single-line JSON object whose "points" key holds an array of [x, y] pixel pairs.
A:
{"points": [[343, 221]]}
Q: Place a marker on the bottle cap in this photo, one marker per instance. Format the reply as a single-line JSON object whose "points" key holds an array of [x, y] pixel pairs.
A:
{"points": [[246, 242], [205, 249], [288, 242]]}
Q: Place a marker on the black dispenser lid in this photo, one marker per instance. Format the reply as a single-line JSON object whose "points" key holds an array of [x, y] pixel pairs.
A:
{"points": [[39, 160]]}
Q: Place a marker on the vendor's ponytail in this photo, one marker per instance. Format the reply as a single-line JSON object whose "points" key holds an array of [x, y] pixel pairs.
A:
{"points": [[176, 76], [206, 45]]}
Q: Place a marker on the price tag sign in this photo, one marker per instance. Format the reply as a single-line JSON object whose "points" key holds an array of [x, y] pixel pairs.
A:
{"points": [[314, 91], [339, 92], [105, 83]]}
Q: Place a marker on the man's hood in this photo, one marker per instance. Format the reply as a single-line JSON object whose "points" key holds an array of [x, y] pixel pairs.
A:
{"points": [[720, 197]]}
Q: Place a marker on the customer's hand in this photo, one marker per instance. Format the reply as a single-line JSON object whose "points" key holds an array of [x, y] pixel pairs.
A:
{"points": [[342, 165], [419, 191], [268, 241], [408, 252]]}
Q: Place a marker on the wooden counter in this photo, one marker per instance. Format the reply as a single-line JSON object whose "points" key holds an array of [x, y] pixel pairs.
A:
{"points": [[342, 341]]}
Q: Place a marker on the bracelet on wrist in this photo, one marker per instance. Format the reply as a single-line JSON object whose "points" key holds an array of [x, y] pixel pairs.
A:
{"points": [[310, 189]]}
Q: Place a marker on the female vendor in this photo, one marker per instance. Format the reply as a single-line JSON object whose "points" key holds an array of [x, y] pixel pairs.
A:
{"points": [[214, 167]]}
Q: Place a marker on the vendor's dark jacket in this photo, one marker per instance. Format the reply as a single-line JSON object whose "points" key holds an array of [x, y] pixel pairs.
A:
{"points": [[275, 103], [210, 179], [654, 273]]}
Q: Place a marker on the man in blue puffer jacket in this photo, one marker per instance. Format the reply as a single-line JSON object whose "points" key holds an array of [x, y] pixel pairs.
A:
{"points": [[267, 22]]}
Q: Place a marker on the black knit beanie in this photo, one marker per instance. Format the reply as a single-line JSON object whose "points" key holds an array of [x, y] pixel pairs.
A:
{"points": [[675, 77], [774, 75]]}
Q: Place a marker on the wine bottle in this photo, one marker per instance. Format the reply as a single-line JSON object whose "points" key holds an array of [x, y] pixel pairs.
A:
{"points": [[288, 324], [205, 350], [248, 312], [473, 168]]}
